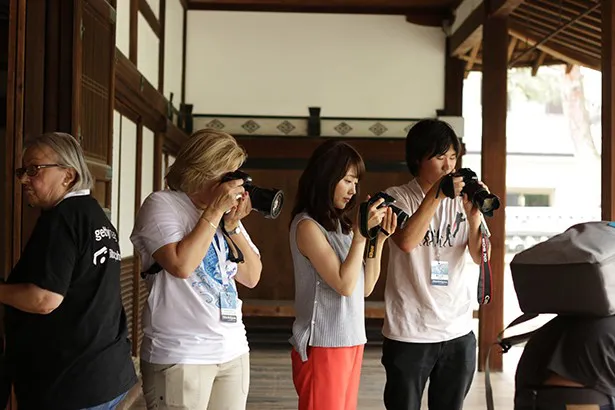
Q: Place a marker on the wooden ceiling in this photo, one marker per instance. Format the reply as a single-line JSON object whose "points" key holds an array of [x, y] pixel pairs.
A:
{"points": [[543, 32], [413, 8]]}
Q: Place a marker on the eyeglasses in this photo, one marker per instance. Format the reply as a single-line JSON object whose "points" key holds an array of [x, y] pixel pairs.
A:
{"points": [[32, 170]]}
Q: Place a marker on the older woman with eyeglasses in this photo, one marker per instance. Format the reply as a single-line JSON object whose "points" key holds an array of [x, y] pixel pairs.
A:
{"points": [[66, 335]]}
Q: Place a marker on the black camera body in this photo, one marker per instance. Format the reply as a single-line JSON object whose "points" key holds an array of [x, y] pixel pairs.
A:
{"points": [[480, 197], [402, 217], [266, 201]]}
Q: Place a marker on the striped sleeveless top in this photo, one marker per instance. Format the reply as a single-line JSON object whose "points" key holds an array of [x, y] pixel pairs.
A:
{"points": [[323, 317]]}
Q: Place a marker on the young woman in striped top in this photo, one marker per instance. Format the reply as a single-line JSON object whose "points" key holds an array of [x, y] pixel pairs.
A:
{"points": [[331, 278]]}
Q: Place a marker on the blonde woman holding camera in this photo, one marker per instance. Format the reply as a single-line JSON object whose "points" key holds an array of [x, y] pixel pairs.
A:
{"points": [[194, 353]]}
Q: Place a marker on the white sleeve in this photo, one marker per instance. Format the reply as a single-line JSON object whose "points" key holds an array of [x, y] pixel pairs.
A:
{"points": [[403, 200], [157, 224]]}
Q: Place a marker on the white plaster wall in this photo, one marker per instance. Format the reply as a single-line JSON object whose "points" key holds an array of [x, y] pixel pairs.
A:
{"points": [[127, 177], [122, 26], [147, 51], [173, 51], [147, 164], [281, 63]]}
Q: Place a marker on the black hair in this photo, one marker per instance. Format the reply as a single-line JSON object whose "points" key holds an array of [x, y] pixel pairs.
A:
{"points": [[429, 138]]}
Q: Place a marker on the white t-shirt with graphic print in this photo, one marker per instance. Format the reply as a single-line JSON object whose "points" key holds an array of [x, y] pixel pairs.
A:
{"points": [[181, 320], [415, 310]]}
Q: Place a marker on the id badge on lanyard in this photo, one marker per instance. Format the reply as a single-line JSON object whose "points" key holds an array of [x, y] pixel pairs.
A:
{"points": [[228, 296], [439, 268]]}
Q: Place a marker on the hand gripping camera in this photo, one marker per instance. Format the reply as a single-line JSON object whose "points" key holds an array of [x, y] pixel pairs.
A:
{"points": [[480, 197], [266, 201], [371, 234]]}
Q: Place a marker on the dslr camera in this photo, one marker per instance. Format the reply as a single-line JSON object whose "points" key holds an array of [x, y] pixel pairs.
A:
{"points": [[402, 217], [266, 201], [480, 197]]}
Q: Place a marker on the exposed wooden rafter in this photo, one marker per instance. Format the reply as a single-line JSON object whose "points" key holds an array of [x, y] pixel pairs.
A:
{"points": [[538, 62], [502, 8], [471, 30], [556, 50], [401, 7]]}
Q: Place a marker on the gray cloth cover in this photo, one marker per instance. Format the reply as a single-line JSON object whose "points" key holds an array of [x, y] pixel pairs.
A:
{"points": [[570, 273]]}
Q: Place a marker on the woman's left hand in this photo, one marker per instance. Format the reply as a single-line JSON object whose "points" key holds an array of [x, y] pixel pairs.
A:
{"points": [[388, 224], [237, 213]]}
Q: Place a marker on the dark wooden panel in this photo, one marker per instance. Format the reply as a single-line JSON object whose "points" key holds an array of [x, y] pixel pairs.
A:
{"points": [[127, 292], [403, 7], [135, 92]]}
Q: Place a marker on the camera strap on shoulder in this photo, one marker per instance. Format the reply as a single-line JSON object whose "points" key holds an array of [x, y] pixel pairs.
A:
{"points": [[505, 344], [484, 278]]}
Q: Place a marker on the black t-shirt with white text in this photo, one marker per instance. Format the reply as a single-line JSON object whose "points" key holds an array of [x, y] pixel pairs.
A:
{"points": [[79, 355], [580, 349]]}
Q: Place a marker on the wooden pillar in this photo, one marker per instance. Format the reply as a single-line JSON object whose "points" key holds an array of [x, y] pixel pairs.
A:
{"points": [[454, 70], [493, 173], [608, 110]]}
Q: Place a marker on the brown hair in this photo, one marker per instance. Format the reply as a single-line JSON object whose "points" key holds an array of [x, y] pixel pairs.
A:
{"points": [[327, 166]]}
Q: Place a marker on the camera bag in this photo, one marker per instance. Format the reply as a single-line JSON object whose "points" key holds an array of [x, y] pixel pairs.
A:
{"points": [[570, 273]]}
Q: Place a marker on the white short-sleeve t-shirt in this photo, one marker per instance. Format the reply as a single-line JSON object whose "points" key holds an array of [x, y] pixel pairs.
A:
{"points": [[415, 310], [181, 320]]}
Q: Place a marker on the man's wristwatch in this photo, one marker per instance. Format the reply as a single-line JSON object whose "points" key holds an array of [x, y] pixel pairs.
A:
{"points": [[234, 231]]}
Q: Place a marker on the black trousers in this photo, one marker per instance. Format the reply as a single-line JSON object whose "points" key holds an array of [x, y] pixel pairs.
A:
{"points": [[449, 366]]}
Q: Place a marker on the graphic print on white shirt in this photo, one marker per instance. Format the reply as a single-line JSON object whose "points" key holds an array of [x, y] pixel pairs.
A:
{"points": [[207, 278], [435, 238]]}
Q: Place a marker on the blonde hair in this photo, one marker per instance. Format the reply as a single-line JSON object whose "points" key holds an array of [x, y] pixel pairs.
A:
{"points": [[70, 155], [206, 156]]}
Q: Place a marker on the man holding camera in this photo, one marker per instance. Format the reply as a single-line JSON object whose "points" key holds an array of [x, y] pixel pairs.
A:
{"points": [[428, 319]]}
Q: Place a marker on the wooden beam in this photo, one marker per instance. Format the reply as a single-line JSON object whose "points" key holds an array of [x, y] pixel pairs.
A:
{"points": [[454, 70], [134, 91], [493, 166], [469, 33], [473, 54], [161, 44], [538, 62], [555, 32], [397, 7], [149, 16], [502, 8], [608, 111], [557, 51], [184, 52], [512, 44], [184, 4], [430, 18]]}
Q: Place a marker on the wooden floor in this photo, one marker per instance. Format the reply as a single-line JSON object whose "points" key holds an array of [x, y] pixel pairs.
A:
{"points": [[271, 386]]}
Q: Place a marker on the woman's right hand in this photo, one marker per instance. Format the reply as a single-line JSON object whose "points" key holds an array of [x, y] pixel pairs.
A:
{"points": [[374, 215], [226, 195]]}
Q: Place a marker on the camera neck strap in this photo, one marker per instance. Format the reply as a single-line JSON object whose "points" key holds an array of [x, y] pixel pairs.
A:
{"points": [[233, 257], [484, 278], [370, 234]]}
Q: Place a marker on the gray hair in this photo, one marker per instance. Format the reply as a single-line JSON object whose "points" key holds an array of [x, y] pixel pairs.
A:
{"points": [[69, 154]]}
